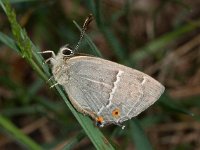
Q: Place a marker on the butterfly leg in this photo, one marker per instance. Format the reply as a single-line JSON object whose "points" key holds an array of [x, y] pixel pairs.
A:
{"points": [[48, 51], [51, 59]]}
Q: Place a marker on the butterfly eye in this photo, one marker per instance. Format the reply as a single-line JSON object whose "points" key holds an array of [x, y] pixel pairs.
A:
{"points": [[67, 52]]}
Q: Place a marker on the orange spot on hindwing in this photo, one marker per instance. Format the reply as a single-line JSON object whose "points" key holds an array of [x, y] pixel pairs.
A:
{"points": [[99, 121], [116, 112]]}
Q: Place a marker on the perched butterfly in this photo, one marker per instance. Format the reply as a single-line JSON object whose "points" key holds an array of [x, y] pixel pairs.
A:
{"points": [[108, 92]]}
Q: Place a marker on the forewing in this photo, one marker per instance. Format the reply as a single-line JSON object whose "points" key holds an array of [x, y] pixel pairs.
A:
{"points": [[89, 84]]}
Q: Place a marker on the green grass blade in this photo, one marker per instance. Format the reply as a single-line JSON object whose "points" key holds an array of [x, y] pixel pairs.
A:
{"points": [[10, 42], [169, 104], [160, 43], [116, 47], [17, 134], [74, 141], [21, 38], [138, 136], [20, 1]]}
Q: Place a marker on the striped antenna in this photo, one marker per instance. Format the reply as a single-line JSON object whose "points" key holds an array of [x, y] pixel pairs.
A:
{"points": [[83, 30]]}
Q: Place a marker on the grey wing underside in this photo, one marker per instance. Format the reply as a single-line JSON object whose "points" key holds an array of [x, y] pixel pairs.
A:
{"points": [[92, 87], [149, 91]]}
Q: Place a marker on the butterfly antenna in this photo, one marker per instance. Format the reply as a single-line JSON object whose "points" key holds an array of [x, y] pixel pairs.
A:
{"points": [[83, 30]]}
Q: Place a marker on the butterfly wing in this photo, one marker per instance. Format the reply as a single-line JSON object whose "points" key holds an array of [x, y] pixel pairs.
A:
{"points": [[89, 84], [98, 87]]}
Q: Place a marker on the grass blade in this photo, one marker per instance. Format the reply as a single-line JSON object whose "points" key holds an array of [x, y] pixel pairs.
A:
{"points": [[74, 141], [9, 42], [107, 32], [17, 134], [169, 104], [160, 43], [139, 137]]}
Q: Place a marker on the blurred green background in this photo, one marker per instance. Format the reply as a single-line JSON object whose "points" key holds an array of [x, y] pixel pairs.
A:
{"points": [[158, 37]]}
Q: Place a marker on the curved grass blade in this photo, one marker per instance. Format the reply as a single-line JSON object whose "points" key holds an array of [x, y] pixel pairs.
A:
{"points": [[160, 43], [10, 42], [116, 47], [138, 136], [166, 102], [74, 141], [17, 134]]}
